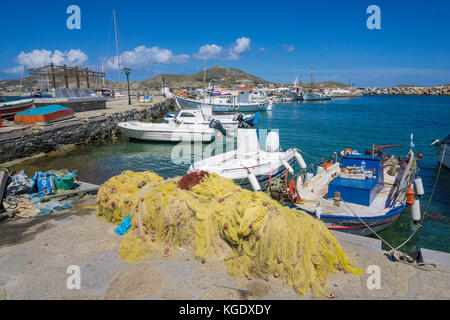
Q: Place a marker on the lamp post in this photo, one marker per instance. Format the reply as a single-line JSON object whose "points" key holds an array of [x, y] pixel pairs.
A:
{"points": [[127, 72]]}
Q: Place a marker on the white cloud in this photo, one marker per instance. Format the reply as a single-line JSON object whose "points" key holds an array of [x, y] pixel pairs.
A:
{"points": [[288, 47], [215, 52], [38, 58], [142, 56], [262, 49]]}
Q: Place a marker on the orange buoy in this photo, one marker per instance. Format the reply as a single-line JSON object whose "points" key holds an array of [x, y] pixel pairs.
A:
{"points": [[410, 196], [419, 156]]}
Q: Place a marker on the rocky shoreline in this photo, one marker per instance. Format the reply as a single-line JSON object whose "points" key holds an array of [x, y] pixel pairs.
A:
{"points": [[420, 91], [27, 141]]}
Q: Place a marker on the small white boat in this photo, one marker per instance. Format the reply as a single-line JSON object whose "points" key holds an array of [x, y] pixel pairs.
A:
{"points": [[227, 103], [248, 165], [187, 125], [316, 96]]}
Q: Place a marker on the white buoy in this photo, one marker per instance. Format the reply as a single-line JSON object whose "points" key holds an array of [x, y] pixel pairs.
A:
{"points": [[253, 181], [318, 212], [287, 166], [273, 142], [419, 186], [299, 159], [415, 211]]}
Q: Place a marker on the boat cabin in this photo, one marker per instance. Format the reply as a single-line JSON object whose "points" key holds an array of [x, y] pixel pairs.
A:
{"points": [[360, 181]]}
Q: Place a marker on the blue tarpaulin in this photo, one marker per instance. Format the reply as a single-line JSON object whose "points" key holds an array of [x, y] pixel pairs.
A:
{"points": [[124, 226]]}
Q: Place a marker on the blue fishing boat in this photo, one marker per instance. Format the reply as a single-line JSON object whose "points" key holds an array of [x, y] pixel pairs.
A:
{"points": [[361, 194]]}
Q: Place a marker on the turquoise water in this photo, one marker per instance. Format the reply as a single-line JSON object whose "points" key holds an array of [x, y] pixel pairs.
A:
{"points": [[318, 129]]}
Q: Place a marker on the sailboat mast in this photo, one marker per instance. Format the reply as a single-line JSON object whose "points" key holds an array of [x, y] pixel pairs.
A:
{"points": [[117, 47], [312, 77], [204, 79], [103, 76]]}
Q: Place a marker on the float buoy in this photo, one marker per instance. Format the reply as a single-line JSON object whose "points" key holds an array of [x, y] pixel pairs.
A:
{"points": [[254, 182], [299, 159], [318, 212], [415, 212], [418, 185], [410, 196], [348, 151], [287, 166]]}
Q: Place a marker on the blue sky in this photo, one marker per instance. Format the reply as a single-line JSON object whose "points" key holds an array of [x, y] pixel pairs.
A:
{"points": [[273, 40]]}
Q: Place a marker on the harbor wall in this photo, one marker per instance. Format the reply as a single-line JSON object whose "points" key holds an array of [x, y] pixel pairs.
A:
{"points": [[31, 140], [421, 91]]}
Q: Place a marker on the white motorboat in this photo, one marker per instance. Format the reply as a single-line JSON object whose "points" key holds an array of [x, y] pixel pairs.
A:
{"points": [[316, 96], [233, 101], [248, 165], [444, 151], [187, 125]]}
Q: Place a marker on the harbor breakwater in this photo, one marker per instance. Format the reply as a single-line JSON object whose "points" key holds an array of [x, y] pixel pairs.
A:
{"points": [[404, 90], [27, 141]]}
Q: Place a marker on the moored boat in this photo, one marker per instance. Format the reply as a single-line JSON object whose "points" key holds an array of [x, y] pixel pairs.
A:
{"points": [[12, 107], [227, 105], [444, 151], [43, 115], [186, 125], [362, 194], [248, 165]]}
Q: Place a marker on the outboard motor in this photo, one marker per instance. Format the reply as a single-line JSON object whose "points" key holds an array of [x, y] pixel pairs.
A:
{"points": [[216, 124]]}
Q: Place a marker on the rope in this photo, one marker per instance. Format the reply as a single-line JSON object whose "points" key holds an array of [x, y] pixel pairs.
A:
{"points": [[394, 253]]}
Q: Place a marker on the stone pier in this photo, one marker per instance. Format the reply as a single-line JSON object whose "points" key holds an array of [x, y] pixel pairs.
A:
{"points": [[18, 142]]}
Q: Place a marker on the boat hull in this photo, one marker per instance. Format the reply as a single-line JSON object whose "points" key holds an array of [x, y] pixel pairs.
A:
{"points": [[11, 108], [354, 225], [44, 115], [166, 134], [315, 97], [444, 148], [224, 108]]}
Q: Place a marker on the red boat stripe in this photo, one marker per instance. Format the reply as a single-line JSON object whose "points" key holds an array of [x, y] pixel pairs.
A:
{"points": [[364, 227]]}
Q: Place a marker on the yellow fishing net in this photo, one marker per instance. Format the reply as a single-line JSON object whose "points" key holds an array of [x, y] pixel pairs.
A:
{"points": [[254, 234]]}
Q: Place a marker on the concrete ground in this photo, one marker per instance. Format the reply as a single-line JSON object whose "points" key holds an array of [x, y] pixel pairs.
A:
{"points": [[35, 255]]}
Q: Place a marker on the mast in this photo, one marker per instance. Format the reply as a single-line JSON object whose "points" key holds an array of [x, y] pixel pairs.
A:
{"points": [[312, 78], [103, 77], [204, 79], [117, 47]]}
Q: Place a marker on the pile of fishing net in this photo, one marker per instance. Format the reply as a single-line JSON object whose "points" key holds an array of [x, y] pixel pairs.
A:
{"points": [[253, 234]]}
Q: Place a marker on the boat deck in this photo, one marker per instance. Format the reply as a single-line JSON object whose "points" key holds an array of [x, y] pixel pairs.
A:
{"points": [[378, 207]]}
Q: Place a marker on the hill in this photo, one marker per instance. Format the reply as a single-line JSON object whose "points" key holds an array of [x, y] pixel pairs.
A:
{"points": [[226, 77]]}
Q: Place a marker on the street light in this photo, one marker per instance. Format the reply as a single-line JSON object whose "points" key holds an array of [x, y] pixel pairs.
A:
{"points": [[127, 72]]}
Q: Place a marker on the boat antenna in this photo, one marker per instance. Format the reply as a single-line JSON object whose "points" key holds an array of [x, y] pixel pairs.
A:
{"points": [[117, 47]]}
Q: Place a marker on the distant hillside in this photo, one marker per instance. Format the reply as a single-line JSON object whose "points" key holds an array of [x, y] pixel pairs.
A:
{"points": [[226, 77]]}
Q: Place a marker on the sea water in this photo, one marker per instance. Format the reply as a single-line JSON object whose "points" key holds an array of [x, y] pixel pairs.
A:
{"points": [[318, 129]]}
